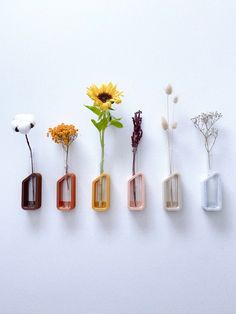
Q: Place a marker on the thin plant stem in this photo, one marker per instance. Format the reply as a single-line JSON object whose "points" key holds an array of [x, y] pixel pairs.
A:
{"points": [[133, 173], [168, 133], [31, 153], [169, 139], [32, 165], [100, 191], [67, 166]]}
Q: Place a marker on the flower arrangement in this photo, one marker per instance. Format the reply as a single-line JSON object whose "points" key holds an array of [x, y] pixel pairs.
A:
{"points": [[136, 136], [32, 185], [172, 192], [205, 123], [169, 124], [211, 186], [65, 135], [136, 183], [103, 97]]}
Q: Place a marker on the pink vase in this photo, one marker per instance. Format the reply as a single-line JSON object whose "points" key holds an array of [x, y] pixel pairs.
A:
{"points": [[136, 192]]}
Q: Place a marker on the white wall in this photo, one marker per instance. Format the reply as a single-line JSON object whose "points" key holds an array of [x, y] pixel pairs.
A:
{"points": [[117, 262]]}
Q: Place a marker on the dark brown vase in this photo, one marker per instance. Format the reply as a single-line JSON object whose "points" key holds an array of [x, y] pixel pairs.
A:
{"points": [[32, 192], [66, 192]]}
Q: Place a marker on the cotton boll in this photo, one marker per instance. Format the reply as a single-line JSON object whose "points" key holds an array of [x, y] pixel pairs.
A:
{"points": [[31, 119], [24, 127], [23, 123]]}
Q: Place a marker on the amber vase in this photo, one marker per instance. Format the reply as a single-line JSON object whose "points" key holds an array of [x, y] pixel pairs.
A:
{"points": [[66, 192], [31, 192], [101, 193]]}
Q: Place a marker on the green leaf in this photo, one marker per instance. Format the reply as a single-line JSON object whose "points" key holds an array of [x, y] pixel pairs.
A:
{"points": [[95, 124], [116, 123], [101, 115], [102, 124], [94, 109]]}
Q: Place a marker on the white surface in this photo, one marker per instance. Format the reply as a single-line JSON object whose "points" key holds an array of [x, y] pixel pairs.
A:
{"points": [[118, 261]]}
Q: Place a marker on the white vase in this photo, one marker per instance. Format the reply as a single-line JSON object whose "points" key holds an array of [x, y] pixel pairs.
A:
{"points": [[212, 192], [172, 194]]}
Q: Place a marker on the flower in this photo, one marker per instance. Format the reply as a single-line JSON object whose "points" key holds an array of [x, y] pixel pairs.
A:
{"points": [[175, 100], [105, 95], [168, 89], [23, 123], [63, 134]]}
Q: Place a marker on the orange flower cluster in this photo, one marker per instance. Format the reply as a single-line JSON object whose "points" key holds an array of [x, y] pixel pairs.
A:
{"points": [[63, 134]]}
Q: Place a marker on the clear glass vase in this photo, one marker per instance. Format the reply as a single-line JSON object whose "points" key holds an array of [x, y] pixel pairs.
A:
{"points": [[136, 192], [212, 192], [172, 195]]}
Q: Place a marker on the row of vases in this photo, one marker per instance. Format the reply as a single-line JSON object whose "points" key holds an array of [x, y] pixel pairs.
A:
{"points": [[172, 194]]}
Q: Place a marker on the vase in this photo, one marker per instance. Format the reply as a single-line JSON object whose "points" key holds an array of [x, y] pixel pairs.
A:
{"points": [[101, 193], [66, 192], [212, 192], [172, 195], [31, 192], [136, 192]]}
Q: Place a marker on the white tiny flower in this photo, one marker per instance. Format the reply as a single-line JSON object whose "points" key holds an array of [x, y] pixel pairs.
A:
{"points": [[23, 123], [164, 123], [168, 89], [175, 100]]}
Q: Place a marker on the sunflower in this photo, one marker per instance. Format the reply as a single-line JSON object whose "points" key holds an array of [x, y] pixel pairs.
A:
{"points": [[105, 95]]}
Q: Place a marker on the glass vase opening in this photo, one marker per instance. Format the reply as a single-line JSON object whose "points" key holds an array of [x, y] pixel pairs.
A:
{"points": [[136, 192], [66, 192], [101, 193], [212, 193], [172, 197], [31, 192]]}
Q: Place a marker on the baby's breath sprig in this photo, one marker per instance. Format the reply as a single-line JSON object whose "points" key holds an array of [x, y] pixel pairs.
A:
{"points": [[205, 123]]}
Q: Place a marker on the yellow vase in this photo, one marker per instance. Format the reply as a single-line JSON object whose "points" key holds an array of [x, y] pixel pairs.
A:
{"points": [[101, 193]]}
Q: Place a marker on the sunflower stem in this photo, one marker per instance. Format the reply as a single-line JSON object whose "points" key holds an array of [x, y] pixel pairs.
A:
{"points": [[100, 193]]}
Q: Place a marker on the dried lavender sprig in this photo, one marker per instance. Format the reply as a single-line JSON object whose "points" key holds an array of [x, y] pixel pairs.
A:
{"points": [[137, 134], [135, 139]]}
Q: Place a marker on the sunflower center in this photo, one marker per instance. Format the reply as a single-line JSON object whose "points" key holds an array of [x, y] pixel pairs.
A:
{"points": [[104, 97]]}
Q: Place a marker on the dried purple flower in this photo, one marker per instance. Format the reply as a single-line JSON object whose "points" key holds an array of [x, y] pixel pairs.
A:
{"points": [[137, 135], [138, 132]]}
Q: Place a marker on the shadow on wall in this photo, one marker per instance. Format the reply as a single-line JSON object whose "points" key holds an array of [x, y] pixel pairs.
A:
{"points": [[221, 220]]}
